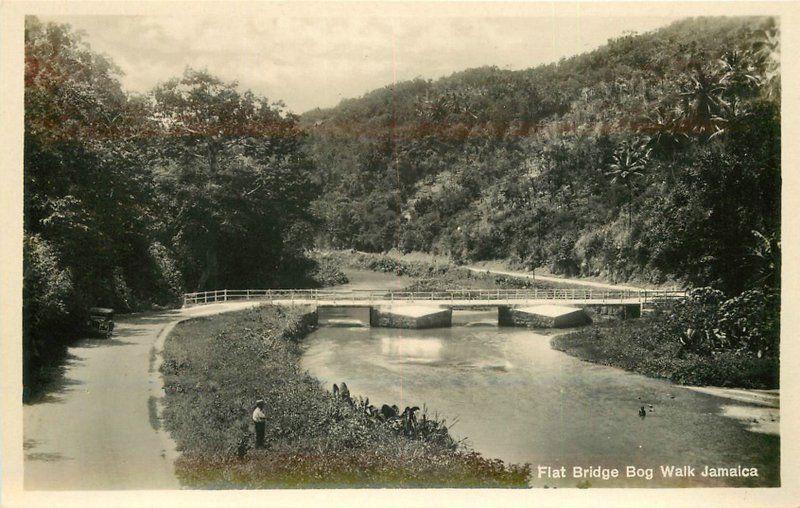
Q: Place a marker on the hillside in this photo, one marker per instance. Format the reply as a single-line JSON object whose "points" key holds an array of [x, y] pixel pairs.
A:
{"points": [[655, 156]]}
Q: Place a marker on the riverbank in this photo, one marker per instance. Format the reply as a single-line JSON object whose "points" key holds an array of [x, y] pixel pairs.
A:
{"points": [[432, 273], [641, 346], [508, 269], [761, 414], [543, 274], [215, 368]]}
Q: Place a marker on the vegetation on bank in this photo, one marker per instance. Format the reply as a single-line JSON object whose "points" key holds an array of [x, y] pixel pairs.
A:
{"points": [[328, 272], [703, 340], [215, 368], [434, 275]]}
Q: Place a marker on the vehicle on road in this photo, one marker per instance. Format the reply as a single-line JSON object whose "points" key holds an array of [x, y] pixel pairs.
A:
{"points": [[101, 322]]}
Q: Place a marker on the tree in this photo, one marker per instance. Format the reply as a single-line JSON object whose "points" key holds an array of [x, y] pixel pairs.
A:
{"points": [[767, 49], [87, 195], [85, 190], [742, 81], [628, 164], [702, 94], [231, 171]]}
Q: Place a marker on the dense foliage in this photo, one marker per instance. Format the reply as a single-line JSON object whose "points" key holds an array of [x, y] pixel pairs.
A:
{"points": [[214, 370], [656, 156], [130, 200], [703, 339], [233, 182]]}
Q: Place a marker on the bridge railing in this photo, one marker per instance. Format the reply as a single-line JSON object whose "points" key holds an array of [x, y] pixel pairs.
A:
{"points": [[381, 295]]}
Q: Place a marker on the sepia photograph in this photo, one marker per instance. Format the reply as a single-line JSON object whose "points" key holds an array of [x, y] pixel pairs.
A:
{"points": [[434, 245]]}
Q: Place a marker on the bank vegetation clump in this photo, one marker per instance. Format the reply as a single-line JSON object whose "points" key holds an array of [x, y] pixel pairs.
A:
{"points": [[215, 368], [704, 339], [328, 273]]}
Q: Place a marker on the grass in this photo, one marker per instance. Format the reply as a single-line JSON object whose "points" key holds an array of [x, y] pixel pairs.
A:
{"points": [[641, 346], [215, 368]]}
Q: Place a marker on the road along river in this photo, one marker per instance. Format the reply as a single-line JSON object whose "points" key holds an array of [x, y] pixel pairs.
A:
{"points": [[517, 399], [99, 428]]}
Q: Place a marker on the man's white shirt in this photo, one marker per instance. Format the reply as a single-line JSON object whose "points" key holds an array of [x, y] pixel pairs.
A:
{"points": [[259, 415]]}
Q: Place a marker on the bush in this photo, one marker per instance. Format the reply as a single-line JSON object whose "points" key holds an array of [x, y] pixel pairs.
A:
{"points": [[327, 273], [751, 322], [729, 369], [385, 264], [48, 311], [700, 340], [705, 322]]}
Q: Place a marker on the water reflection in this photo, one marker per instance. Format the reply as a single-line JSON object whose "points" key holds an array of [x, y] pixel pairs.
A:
{"points": [[487, 317], [412, 349]]}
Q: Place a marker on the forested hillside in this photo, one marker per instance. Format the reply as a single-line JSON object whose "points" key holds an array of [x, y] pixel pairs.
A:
{"points": [[654, 157]]}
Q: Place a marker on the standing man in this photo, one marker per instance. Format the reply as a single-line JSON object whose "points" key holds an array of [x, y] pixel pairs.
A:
{"points": [[259, 418]]}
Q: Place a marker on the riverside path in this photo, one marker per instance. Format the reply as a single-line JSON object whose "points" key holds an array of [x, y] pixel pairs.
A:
{"points": [[99, 428]]}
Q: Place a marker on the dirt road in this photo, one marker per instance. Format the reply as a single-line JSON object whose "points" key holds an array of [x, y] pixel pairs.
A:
{"points": [[563, 280], [99, 428]]}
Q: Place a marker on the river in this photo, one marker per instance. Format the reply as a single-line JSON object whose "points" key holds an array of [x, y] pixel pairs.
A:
{"points": [[515, 398]]}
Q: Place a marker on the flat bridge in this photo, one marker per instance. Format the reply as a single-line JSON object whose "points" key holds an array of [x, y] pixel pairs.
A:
{"points": [[452, 298]]}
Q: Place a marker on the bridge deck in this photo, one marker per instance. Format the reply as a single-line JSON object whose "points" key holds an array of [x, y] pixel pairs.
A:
{"points": [[446, 303], [455, 297]]}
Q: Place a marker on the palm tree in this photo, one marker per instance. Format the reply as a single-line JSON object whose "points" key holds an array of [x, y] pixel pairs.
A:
{"points": [[767, 50], [703, 96], [662, 128], [742, 79], [629, 163]]}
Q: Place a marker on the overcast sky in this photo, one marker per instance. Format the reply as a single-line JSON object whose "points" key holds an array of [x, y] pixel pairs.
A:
{"points": [[317, 61]]}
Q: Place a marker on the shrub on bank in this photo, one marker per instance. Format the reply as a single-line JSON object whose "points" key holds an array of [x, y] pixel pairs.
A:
{"points": [[701, 340], [729, 369], [387, 264], [215, 368], [328, 273]]}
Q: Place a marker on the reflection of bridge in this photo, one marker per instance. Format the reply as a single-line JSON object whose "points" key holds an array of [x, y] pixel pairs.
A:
{"points": [[450, 298]]}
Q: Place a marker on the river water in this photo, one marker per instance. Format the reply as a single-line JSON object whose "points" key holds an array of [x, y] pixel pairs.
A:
{"points": [[515, 398]]}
